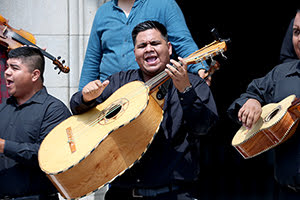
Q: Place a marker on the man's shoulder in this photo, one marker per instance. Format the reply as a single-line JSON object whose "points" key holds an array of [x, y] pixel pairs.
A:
{"points": [[55, 103], [105, 7], [286, 66]]}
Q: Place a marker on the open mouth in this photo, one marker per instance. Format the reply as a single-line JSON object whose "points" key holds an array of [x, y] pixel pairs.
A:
{"points": [[151, 60], [9, 83]]}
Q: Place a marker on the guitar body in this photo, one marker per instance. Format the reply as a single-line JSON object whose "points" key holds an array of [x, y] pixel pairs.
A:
{"points": [[277, 123], [87, 151]]}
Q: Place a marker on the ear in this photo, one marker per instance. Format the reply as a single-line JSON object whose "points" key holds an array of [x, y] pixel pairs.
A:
{"points": [[134, 54], [170, 48], [35, 75]]}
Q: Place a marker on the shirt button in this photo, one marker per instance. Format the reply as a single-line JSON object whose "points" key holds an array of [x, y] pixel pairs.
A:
{"points": [[181, 99]]}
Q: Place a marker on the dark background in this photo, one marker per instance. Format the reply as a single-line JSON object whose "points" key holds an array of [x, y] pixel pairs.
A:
{"points": [[256, 32]]}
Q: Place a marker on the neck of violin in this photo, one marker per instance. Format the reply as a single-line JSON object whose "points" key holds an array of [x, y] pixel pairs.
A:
{"points": [[24, 41]]}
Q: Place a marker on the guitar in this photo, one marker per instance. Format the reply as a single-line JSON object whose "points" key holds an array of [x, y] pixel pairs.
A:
{"points": [[12, 38], [277, 123], [87, 151]]}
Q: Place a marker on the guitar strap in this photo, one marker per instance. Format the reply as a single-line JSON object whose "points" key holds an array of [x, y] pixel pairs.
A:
{"points": [[163, 89]]}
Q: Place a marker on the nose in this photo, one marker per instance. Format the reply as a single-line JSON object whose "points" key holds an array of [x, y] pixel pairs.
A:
{"points": [[7, 72], [149, 47]]}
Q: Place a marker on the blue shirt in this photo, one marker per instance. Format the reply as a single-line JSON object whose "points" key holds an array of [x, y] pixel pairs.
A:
{"points": [[110, 46], [24, 127], [174, 152]]}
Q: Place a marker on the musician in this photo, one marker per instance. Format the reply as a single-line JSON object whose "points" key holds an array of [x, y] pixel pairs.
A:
{"points": [[279, 83], [26, 117], [290, 49], [169, 168]]}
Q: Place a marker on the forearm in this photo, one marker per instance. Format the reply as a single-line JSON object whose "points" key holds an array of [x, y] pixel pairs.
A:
{"points": [[181, 38], [78, 106], [25, 153]]}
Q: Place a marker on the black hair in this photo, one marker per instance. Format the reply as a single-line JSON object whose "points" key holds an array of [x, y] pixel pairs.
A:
{"points": [[32, 56], [149, 25]]}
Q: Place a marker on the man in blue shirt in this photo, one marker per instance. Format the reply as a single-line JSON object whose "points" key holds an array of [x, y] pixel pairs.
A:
{"points": [[25, 119], [110, 48], [170, 167]]}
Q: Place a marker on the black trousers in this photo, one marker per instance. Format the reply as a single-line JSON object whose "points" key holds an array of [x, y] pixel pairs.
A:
{"points": [[33, 197], [182, 192]]}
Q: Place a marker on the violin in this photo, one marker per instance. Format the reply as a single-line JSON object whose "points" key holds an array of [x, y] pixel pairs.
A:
{"points": [[12, 39]]}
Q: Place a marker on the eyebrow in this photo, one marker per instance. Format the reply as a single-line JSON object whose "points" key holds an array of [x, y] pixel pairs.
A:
{"points": [[151, 42], [13, 65]]}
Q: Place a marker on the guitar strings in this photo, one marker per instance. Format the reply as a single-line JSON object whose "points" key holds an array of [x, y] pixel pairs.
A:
{"points": [[83, 126], [155, 80], [87, 124], [149, 84]]}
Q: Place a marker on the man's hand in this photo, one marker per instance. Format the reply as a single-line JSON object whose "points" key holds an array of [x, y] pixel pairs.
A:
{"points": [[2, 143], [93, 90], [250, 113], [204, 75], [179, 74]]}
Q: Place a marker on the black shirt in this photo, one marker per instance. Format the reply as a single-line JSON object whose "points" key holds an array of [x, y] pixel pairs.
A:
{"points": [[279, 83], [24, 127], [174, 152]]}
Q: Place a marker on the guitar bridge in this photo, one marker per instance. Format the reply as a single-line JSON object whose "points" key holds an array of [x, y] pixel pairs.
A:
{"points": [[71, 140]]}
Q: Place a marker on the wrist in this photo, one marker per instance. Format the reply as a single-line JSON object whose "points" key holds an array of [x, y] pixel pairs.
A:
{"points": [[186, 89], [2, 143]]}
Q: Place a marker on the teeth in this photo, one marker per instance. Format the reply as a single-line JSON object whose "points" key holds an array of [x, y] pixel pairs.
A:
{"points": [[151, 59]]}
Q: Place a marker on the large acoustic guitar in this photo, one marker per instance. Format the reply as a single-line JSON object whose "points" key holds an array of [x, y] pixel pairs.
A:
{"points": [[277, 123], [87, 151]]}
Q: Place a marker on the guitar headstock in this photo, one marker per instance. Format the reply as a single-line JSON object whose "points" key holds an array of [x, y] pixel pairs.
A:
{"points": [[208, 51], [60, 66]]}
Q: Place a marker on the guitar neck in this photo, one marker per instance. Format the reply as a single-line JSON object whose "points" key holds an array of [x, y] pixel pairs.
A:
{"points": [[162, 77], [157, 81]]}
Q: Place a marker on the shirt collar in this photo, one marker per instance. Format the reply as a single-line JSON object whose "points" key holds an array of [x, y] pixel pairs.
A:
{"points": [[38, 97], [296, 69], [115, 2]]}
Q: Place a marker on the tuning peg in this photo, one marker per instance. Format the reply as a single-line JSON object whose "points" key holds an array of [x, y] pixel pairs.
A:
{"points": [[63, 62], [215, 34], [212, 58], [58, 57], [223, 55]]}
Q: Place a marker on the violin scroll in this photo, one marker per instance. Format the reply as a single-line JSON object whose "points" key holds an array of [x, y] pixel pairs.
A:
{"points": [[60, 66]]}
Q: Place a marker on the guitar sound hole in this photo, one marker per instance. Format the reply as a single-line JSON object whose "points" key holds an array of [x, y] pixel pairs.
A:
{"points": [[113, 111], [272, 114]]}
